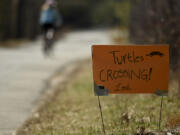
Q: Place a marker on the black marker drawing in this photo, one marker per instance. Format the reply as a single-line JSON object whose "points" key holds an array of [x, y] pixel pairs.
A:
{"points": [[155, 53], [120, 87]]}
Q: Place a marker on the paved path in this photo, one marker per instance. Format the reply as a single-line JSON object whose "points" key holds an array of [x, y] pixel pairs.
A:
{"points": [[24, 71]]}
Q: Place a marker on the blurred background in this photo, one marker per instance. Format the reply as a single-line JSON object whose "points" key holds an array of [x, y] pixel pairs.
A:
{"points": [[147, 21], [20, 18], [25, 73]]}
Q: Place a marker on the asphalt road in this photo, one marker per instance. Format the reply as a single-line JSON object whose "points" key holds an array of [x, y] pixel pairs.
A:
{"points": [[24, 71]]}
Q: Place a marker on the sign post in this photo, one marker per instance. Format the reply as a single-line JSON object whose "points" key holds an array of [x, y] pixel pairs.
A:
{"points": [[131, 69], [100, 108], [160, 115]]}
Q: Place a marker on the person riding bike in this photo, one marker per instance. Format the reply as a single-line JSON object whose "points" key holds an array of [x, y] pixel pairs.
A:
{"points": [[50, 20]]}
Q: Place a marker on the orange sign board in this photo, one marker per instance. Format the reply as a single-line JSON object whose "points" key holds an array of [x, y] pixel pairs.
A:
{"points": [[130, 69]]}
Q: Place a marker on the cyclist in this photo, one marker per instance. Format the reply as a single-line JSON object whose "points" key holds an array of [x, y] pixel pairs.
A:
{"points": [[50, 20]]}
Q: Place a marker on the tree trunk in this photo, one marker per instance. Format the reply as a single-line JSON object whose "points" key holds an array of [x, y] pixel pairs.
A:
{"points": [[14, 19]]}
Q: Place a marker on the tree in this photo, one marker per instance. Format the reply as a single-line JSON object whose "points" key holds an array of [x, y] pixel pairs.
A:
{"points": [[4, 19], [19, 18], [157, 21]]}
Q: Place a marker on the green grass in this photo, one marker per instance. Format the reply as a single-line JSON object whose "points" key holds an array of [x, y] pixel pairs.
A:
{"points": [[74, 111]]}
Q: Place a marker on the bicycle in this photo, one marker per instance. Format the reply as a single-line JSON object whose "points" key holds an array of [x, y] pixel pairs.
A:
{"points": [[48, 41]]}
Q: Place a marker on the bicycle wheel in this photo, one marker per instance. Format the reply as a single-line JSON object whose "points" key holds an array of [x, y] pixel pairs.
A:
{"points": [[48, 43]]}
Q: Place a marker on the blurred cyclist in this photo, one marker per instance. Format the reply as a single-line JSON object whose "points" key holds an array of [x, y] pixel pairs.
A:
{"points": [[50, 20]]}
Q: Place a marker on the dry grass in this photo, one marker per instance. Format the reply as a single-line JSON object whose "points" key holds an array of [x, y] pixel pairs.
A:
{"points": [[120, 35], [74, 111]]}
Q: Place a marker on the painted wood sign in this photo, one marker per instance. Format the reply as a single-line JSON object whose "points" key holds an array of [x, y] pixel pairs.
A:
{"points": [[131, 69]]}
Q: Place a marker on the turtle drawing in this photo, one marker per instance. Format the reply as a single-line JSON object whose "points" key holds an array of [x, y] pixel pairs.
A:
{"points": [[155, 53]]}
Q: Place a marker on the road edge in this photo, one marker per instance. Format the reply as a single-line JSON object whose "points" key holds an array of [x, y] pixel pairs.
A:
{"points": [[53, 86]]}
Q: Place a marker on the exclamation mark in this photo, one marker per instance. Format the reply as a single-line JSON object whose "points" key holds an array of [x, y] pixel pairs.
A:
{"points": [[150, 72]]}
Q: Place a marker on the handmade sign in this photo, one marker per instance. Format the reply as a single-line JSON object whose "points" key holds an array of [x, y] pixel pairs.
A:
{"points": [[130, 69]]}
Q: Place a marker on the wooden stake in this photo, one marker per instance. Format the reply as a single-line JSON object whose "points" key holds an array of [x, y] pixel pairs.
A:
{"points": [[160, 115], [103, 127]]}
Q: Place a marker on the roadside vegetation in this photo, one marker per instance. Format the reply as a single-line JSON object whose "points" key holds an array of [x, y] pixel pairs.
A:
{"points": [[74, 111]]}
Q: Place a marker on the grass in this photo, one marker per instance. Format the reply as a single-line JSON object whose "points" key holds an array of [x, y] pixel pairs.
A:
{"points": [[74, 111]]}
